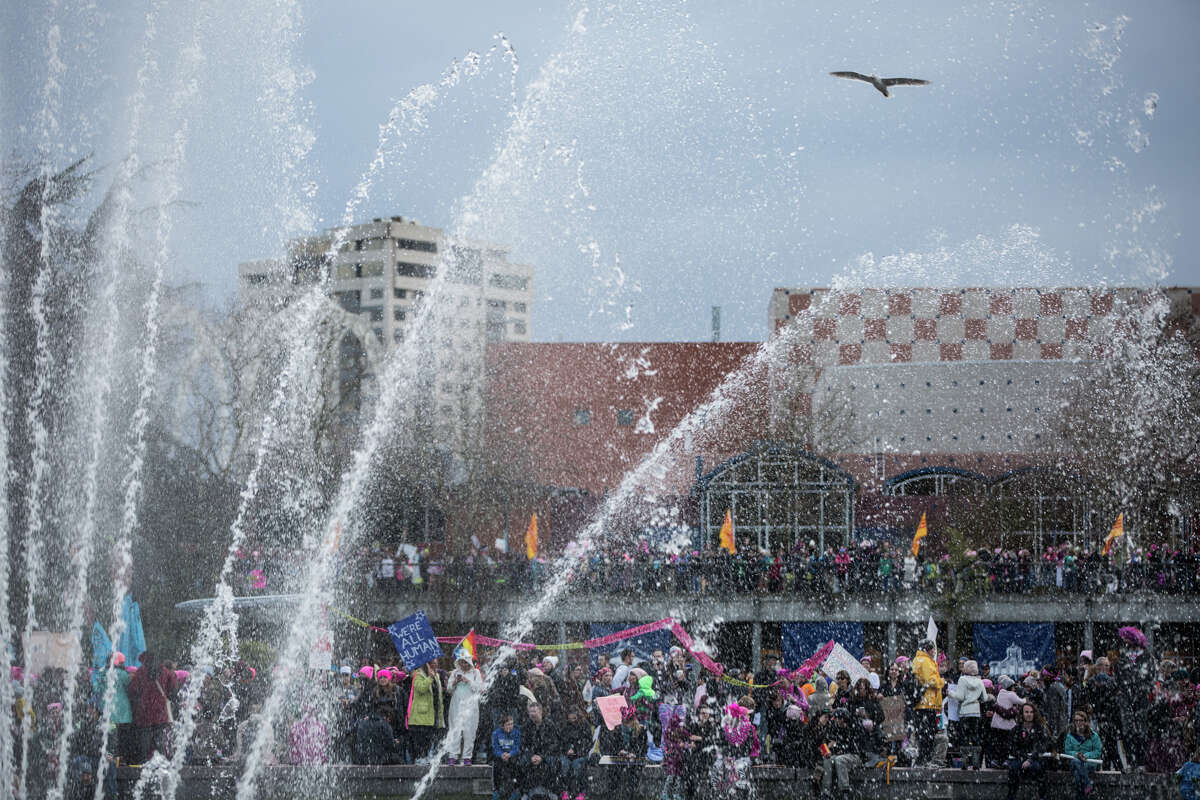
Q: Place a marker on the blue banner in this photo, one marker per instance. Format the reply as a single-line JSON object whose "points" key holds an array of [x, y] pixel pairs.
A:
{"points": [[415, 641], [642, 646], [802, 639], [1013, 649]]}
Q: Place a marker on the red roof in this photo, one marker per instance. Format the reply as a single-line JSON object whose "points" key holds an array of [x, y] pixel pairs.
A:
{"points": [[585, 414]]}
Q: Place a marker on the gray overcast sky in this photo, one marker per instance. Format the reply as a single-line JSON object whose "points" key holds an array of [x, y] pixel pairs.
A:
{"points": [[660, 157]]}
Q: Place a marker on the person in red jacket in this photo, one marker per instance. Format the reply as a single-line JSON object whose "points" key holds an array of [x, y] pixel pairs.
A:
{"points": [[150, 691]]}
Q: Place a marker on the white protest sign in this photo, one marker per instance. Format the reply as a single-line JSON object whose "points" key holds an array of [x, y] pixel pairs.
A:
{"points": [[321, 655], [840, 659]]}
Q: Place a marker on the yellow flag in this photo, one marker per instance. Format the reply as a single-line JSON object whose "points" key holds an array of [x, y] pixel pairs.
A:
{"points": [[922, 532], [531, 538], [1118, 529], [726, 535]]}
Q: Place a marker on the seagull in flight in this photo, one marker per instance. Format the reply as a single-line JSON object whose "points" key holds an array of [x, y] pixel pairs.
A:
{"points": [[881, 84]]}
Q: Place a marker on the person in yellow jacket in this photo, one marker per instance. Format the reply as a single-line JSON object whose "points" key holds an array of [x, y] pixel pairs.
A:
{"points": [[929, 705]]}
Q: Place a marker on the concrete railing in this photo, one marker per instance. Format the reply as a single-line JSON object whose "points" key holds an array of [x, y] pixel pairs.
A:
{"points": [[771, 783]]}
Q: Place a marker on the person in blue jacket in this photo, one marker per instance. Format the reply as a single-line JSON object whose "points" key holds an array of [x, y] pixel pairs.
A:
{"points": [[506, 747], [1082, 747]]}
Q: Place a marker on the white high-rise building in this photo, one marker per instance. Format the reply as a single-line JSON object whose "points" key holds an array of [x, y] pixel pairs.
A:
{"points": [[383, 271]]}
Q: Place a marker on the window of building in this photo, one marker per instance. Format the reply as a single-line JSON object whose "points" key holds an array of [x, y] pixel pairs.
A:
{"points": [[347, 271], [417, 244], [378, 334], [625, 417], [497, 304], [399, 294], [369, 244], [377, 294], [256, 278], [407, 269], [350, 301], [519, 308], [398, 335], [583, 416], [518, 327], [513, 282], [375, 312], [371, 269], [398, 314]]}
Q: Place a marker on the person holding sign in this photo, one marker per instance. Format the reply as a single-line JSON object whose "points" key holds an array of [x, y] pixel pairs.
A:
{"points": [[626, 746], [1082, 746], [424, 717], [929, 705]]}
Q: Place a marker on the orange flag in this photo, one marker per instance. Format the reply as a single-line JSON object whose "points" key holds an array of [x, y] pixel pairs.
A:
{"points": [[726, 535], [531, 538], [1118, 529], [922, 532]]}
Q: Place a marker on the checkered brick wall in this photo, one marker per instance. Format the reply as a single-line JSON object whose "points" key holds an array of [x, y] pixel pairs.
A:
{"points": [[888, 326], [989, 332]]}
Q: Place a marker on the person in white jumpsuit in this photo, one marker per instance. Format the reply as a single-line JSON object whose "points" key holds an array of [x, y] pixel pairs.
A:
{"points": [[465, 687]]}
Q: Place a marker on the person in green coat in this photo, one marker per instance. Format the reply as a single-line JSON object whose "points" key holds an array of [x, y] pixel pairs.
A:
{"points": [[125, 744], [425, 715], [1082, 746]]}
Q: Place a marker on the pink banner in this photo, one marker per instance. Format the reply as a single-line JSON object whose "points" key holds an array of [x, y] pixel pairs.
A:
{"points": [[673, 625]]}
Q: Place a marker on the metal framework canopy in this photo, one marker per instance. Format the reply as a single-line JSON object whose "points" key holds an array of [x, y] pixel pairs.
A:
{"points": [[778, 495]]}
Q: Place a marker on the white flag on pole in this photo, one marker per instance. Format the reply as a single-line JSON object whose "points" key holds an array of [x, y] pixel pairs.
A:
{"points": [[931, 631]]}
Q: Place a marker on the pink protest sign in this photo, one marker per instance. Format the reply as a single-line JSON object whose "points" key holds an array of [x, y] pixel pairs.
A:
{"points": [[610, 709]]}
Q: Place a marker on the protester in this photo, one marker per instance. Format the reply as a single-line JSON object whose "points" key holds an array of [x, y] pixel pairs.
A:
{"points": [[424, 715], [576, 746], [969, 692], [626, 745], [1028, 743], [541, 745], [929, 706], [151, 691], [506, 749], [465, 687], [1082, 747]]}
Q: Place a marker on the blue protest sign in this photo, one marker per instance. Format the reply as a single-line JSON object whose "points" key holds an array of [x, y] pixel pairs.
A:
{"points": [[415, 641]]}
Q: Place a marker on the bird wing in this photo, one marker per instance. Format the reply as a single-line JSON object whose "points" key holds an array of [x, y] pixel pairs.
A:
{"points": [[854, 75], [904, 82]]}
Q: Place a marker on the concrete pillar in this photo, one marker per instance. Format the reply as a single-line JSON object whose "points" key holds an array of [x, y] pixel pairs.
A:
{"points": [[756, 646], [891, 645], [1087, 633]]}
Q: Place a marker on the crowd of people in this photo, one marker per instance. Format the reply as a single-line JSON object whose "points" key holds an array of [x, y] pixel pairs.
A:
{"points": [[540, 725], [870, 567]]}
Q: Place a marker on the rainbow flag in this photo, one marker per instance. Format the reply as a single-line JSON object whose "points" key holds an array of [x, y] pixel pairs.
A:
{"points": [[466, 648], [726, 536], [1118, 529], [922, 532]]}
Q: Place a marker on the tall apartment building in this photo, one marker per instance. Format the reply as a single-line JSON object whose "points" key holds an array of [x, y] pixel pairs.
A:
{"points": [[381, 274]]}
